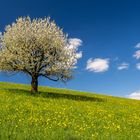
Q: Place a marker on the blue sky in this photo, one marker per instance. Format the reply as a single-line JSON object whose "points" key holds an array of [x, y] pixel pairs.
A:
{"points": [[109, 30]]}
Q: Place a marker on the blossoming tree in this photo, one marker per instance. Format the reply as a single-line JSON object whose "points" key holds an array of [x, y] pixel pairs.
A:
{"points": [[38, 47]]}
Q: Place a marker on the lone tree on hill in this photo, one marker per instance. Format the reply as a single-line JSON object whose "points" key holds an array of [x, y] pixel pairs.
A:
{"points": [[38, 47]]}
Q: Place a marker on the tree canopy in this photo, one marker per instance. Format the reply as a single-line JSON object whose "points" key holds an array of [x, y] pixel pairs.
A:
{"points": [[37, 47]]}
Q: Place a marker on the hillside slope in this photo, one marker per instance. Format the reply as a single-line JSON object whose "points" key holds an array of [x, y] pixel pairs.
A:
{"points": [[59, 114]]}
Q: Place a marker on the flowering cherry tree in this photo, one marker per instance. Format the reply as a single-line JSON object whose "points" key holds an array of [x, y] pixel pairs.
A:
{"points": [[38, 47]]}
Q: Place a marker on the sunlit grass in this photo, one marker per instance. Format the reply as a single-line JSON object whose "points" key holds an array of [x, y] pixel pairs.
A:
{"points": [[59, 114]]}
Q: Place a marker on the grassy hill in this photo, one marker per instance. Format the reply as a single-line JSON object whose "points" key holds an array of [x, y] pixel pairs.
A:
{"points": [[60, 114]]}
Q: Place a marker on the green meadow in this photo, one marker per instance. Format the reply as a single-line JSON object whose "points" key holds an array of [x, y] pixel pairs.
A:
{"points": [[60, 114]]}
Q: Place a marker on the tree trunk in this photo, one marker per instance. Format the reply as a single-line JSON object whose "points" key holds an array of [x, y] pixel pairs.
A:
{"points": [[34, 84]]}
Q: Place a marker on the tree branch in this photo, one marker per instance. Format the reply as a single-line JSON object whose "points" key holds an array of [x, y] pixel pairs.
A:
{"points": [[49, 77]]}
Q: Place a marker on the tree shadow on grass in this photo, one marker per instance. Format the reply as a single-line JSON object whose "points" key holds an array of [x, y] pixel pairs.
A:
{"points": [[58, 95]]}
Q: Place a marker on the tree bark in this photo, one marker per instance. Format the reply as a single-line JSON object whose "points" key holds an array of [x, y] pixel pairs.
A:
{"points": [[34, 84]]}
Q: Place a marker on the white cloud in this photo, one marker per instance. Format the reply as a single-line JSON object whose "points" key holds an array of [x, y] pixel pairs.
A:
{"points": [[134, 95], [97, 65], [137, 54], [123, 66], [75, 42], [79, 55], [138, 66], [137, 46]]}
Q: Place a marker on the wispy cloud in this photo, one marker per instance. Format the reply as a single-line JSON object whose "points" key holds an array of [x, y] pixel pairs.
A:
{"points": [[137, 54], [79, 54], [123, 66], [97, 65], [138, 66], [134, 95], [137, 46], [116, 59], [75, 42]]}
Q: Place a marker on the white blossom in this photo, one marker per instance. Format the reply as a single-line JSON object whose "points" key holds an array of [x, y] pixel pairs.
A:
{"points": [[38, 47]]}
